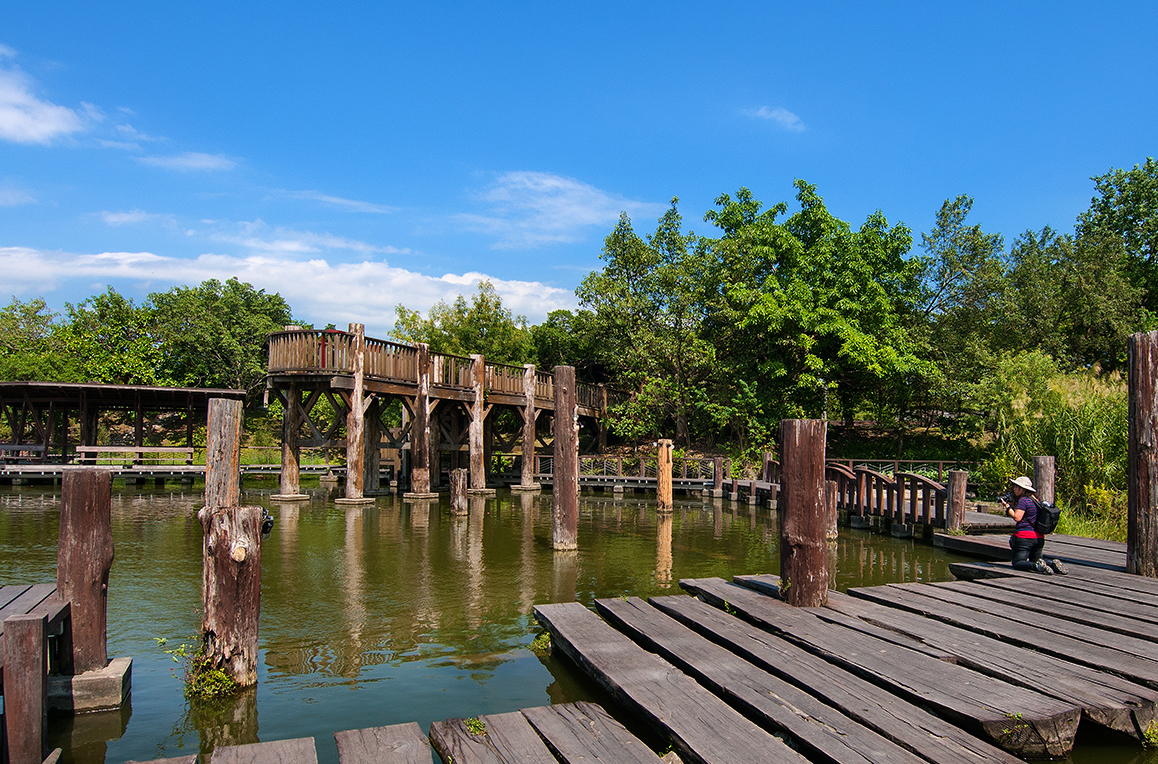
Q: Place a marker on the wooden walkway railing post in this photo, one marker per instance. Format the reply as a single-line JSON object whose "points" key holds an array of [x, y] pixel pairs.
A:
{"points": [[84, 557], [958, 480], [803, 547], [663, 477], [1142, 470], [565, 514], [231, 552], [1043, 477], [26, 688]]}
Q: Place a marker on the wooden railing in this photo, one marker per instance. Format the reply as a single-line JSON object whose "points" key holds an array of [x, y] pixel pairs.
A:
{"points": [[901, 498], [330, 351], [631, 467]]}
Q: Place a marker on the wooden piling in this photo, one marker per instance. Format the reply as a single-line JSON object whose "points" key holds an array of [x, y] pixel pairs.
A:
{"points": [[955, 514], [478, 412], [458, 485], [1043, 477], [663, 476], [565, 511], [372, 458], [356, 419], [420, 428], [1142, 469], [291, 452], [231, 553], [527, 475], [25, 687], [803, 548], [84, 556]]}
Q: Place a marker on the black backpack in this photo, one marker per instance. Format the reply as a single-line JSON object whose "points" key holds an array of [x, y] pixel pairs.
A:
{"points": [[1047, 517]]}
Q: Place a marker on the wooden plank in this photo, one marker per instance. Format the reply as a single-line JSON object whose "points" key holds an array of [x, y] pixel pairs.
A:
{"points": [[1009, 624], [11, 592], [294, 751], [1105, 699], [26, 601], [1073, 602], [580, 733], [816, 729], [503, 739], [1044, 726], [997, 548], [191, 759], [1060, 586], [906, 724], [393, 744], [701, 727]]}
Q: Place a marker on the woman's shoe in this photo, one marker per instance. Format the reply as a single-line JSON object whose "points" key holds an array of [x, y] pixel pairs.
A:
{"points": [[1057, 567]]}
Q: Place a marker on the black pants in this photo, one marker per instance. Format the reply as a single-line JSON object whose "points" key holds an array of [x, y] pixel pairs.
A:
{"points": [[1026, 552]]}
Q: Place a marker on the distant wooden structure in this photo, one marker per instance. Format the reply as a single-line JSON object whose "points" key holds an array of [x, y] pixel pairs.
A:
{"points": [[450, 405]]}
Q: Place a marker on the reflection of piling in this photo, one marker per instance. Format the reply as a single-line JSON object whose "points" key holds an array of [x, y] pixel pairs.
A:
{"points": [[663, 529], [565, 526], [803, 549], [831, 516], [663, 476], [458, 485]]}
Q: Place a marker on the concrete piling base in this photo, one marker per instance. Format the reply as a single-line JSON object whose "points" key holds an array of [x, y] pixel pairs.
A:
{"points": [[96, 690]]}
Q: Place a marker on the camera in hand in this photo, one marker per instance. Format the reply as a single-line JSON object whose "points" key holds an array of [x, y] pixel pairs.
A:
{"points": [[1007, 498]]}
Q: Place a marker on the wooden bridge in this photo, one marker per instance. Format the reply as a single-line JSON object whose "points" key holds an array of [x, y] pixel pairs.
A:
{"points": [[450, 406]]}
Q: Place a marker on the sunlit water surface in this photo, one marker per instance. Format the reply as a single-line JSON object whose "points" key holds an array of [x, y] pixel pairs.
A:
{"points": [[399, 612]]}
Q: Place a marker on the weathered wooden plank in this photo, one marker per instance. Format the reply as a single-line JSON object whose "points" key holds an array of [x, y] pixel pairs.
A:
{"points": [[997, 548], [1074, 603], [30, 597], [504, 738], [1105, 699], [1062, 585], [816, 729], [701, 727], [1009, 623], [393, 744], [10, 592], [191, 759], [580, 733], [25, 688], [906, 724], [294, 751], [1019, 720]]}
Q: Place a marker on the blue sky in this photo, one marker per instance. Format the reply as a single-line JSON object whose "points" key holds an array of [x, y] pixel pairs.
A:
{"points": [[353, 156]]}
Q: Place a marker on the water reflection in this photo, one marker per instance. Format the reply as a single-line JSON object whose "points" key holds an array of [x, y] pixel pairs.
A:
{"points": [[663, 526]]}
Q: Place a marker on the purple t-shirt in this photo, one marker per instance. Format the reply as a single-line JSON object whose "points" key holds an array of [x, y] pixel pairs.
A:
{"points": [[1025, 526]]}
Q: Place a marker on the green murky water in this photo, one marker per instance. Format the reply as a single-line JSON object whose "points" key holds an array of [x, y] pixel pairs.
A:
{"points": [[399, 612]]}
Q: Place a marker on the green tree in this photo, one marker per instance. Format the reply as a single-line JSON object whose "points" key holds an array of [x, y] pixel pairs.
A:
{"points": [[112, 340], [217, 334], [30, 347], [570, 339], [483, 325]]}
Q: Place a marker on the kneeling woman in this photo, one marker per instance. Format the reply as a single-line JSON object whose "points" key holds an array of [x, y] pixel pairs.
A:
{"points": [[1027, 544]]}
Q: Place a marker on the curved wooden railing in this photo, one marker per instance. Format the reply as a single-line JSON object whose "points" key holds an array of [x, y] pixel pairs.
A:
{"points": [[331, 351]]}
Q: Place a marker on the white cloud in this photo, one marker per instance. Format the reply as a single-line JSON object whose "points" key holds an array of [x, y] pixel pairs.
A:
{"points": [[530, 209], [11, 197], [262, 238], [191, 160], [317, 290], [781, 116], [353, 205], [132, 217], [24, 118], [134, 134]]}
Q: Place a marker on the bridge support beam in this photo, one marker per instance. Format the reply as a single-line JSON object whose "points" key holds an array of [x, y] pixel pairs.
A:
{"points": [[565, 511], [530, 414], [372, 462], [291, 453], [477, 429], [420, 430]]}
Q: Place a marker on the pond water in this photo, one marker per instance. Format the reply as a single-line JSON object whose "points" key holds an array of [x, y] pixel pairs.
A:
{"points": [[398, 612]]}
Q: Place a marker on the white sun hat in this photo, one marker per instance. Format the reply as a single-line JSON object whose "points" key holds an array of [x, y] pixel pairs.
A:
{"points": [[1024, 482]]}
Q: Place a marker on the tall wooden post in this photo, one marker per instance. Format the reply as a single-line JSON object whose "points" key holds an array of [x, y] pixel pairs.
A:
{"points": [[530, 414], [955, 516], [803, 548], [1044, 474], [84, 557], [458, 500], [769, 458], [372, 458], [1142, 470], [478, 473], [420, 428], [291, 452], [565, 513], [601, 421], [718, 477], [25, 688], [231, 552], [663, 477], [356, 419]]}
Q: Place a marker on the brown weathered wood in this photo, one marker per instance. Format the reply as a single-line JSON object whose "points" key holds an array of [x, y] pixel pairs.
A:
{"points": [[663, 477], [565, 510], [295, 751], [458, 497], [372, 459], [527, 474], [223, 453], [1021, 721], [477, 428], [904, 723], [420, 428], [718, 473], [26, 688], [701, 726], [817, 730], [1043, 477], [291, 452], [958, 480], [1142, 461], [356, 418], [803, 548], [1061, 547], [831, 513], [84, 557], [393, 744], [190, 759], [581, 733]]}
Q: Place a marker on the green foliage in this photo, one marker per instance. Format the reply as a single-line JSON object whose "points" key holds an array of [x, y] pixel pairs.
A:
{"points": [[475, 726], [1150, 735], [202, 679], [30, 347], [111, 340], [484, 325], [541, 643]]}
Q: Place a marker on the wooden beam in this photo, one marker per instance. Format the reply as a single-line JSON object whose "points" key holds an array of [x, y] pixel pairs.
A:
{"points": [[803, 548], [84, 557]]}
